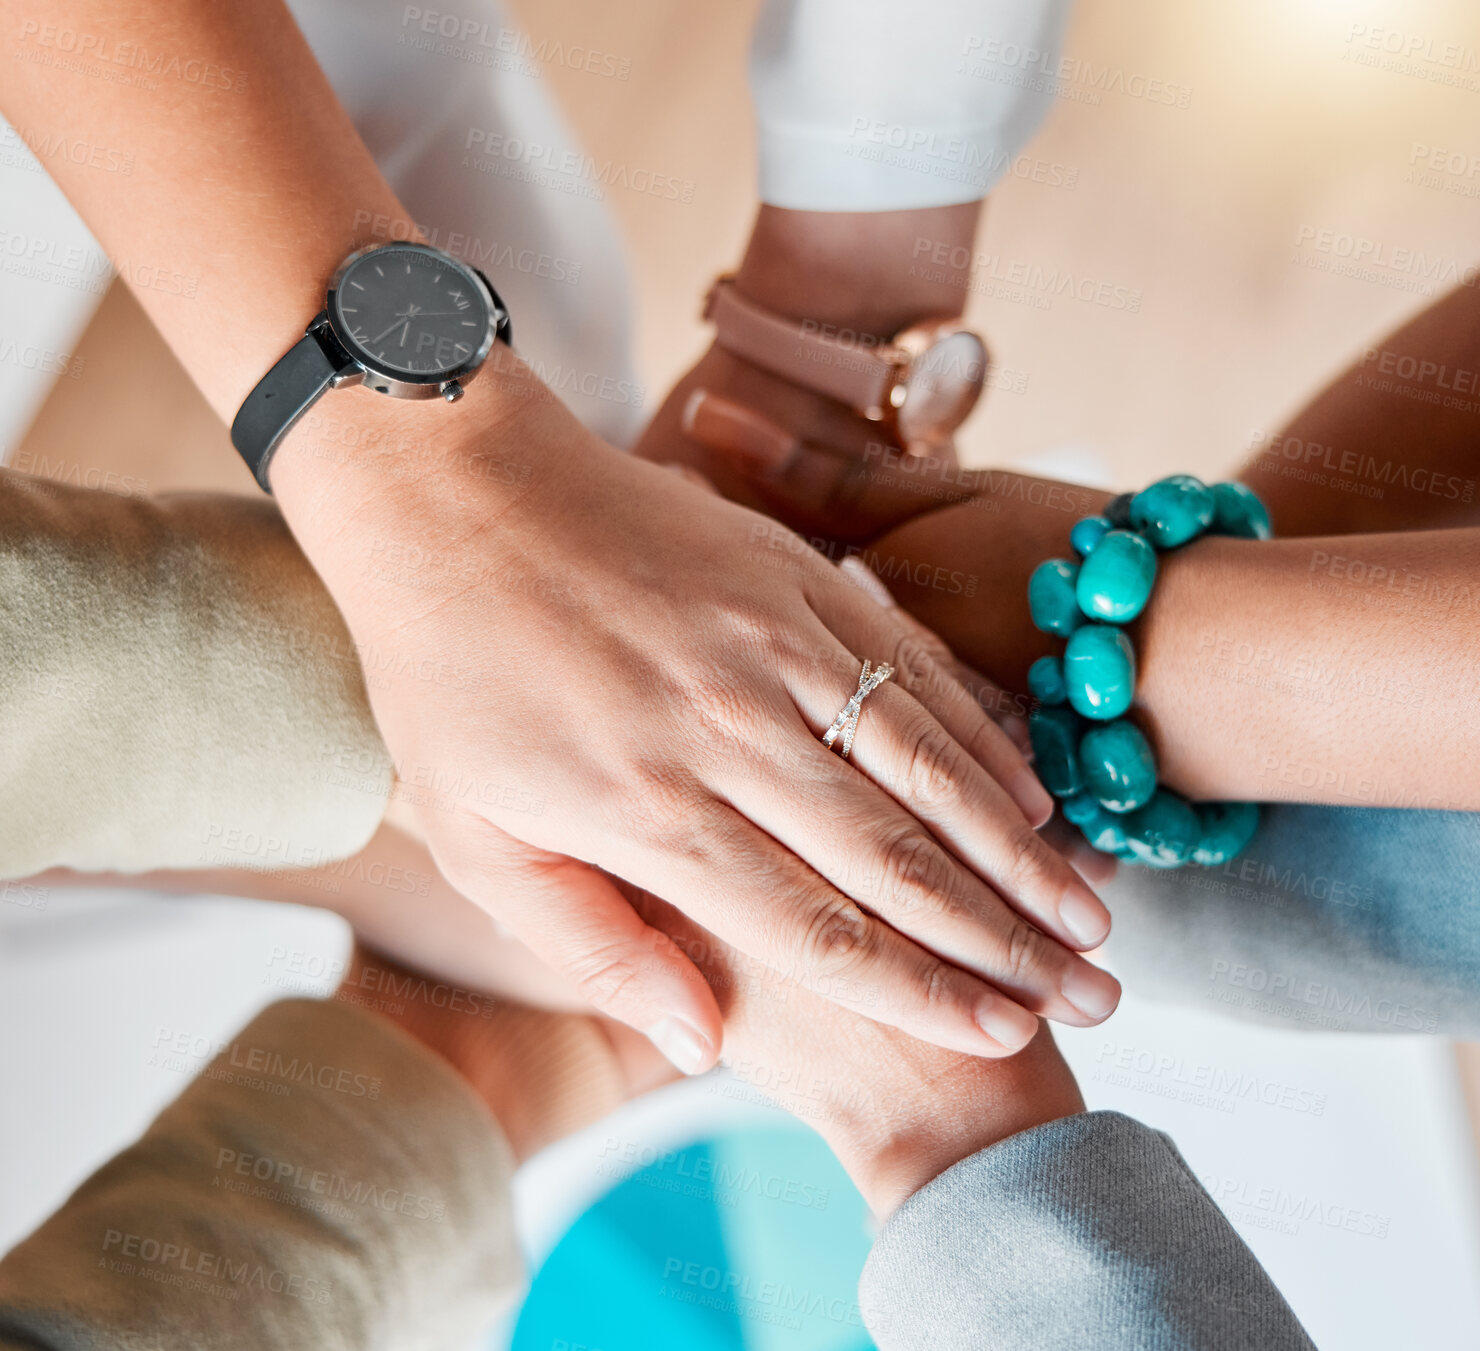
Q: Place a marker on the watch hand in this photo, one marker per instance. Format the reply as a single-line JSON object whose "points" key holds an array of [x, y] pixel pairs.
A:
{"points": [[401, 319]]}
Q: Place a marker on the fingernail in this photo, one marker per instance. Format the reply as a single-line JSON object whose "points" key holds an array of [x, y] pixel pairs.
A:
{"points": [[1017, 732], [1031, 797], [685, 1049], [1084, 916], [1093, 992], [1009, 1026], [733, 429]]}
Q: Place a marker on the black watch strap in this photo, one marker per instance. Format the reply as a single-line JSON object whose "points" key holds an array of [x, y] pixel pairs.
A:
{"points": [[284, 395]]}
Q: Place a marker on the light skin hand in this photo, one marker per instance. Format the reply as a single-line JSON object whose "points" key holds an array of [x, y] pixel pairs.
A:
{"points": [[500, 1048], [568, 626], [896, 1111], [755, 778]]}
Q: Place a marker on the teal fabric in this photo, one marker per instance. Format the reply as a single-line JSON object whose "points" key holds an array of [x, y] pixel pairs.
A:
{"points": [[749, 1241]]}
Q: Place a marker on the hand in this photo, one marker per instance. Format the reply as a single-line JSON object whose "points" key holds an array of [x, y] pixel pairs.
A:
{"points": [[543, 1075], [805, 459], [612, 667], [896, 1111]]}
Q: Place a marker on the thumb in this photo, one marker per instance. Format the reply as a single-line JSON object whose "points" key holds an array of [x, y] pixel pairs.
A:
{"points": [[575, 918]]}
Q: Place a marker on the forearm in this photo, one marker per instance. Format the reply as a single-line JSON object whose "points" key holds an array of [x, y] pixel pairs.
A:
{"points": [[1156, 1266], [541, 1075], [1393, 443], [176, 690], [322, 1176], [860, 271], [1312, 670], [252, 183]]}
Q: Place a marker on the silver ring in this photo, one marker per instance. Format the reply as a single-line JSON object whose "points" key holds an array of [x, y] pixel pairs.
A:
{"points": [[847, 721]]}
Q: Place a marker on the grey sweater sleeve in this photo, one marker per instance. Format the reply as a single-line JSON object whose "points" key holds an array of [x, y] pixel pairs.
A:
{"points": [[1085, 1232], [326, 1183], [177, 689]]}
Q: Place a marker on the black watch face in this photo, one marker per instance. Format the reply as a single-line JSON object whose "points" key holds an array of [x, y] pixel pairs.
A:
{"points": [[412, 312]]}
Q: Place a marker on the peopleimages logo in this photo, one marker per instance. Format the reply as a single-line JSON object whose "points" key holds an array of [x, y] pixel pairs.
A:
{"points": [[479, 42], [1285, 987], [1073, 78], [94, 54], [1016, 279], [1369, 475], [569, 171], [244, 1274], [1362, 258]]}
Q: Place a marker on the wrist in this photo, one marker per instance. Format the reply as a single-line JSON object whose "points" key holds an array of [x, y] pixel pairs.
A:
{"points": [[923, 1125], [542, 1075], [364, 479], [874, 272], [991, 544]]}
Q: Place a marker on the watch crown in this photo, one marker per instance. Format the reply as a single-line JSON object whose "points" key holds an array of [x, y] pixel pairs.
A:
{"points": [[452, 391]]}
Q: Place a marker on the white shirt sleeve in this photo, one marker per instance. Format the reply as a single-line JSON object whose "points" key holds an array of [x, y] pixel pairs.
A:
{"points": [[879, 105]]}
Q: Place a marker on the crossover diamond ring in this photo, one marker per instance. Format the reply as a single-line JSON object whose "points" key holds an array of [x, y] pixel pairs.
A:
{"points": [[846, 723]]}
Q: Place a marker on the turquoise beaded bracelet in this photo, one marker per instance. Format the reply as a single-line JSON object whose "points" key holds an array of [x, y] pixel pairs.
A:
{"points": [[1085, 749]]}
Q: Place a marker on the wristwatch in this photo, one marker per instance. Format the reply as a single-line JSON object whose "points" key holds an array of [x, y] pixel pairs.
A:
{"points": [[402, 319], [923, 382]]}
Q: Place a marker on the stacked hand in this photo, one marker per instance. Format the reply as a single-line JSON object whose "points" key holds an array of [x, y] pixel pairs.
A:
{"points": [[647, 671]]}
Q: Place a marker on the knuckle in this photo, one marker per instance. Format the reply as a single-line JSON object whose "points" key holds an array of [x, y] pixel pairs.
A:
{"points": [[1027, 956], [940, 989], [931, 764], [912, 868], [1030, 863], [662, 810], [838, 938], [912, 661], [607, 976], [725, 718]]}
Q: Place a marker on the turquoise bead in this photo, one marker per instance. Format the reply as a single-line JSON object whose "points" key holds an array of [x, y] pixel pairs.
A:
{"points": [[1238, 511], [1055, 734], [1164, 832], [1226, 828], [1051, 597], [1046, 681], [1100, 671], [1115, 580], [1080, 809], [1087, 533], [1118, 766], [1103, 831], [1118, 511], [1172, 510]]}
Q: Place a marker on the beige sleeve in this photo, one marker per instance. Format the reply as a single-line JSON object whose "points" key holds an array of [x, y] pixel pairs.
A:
{"points": [[325, 1183], [177, 689]]}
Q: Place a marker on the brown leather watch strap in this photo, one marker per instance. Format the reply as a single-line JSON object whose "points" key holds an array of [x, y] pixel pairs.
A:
{"points": [[861, 377]]}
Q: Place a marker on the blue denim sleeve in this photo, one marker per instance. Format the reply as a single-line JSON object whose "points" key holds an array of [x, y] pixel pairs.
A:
{"points": [[1334, 919], [1085, 1232]]}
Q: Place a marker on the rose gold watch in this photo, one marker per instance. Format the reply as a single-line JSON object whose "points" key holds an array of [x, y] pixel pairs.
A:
{"points": [[924, 382]]}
